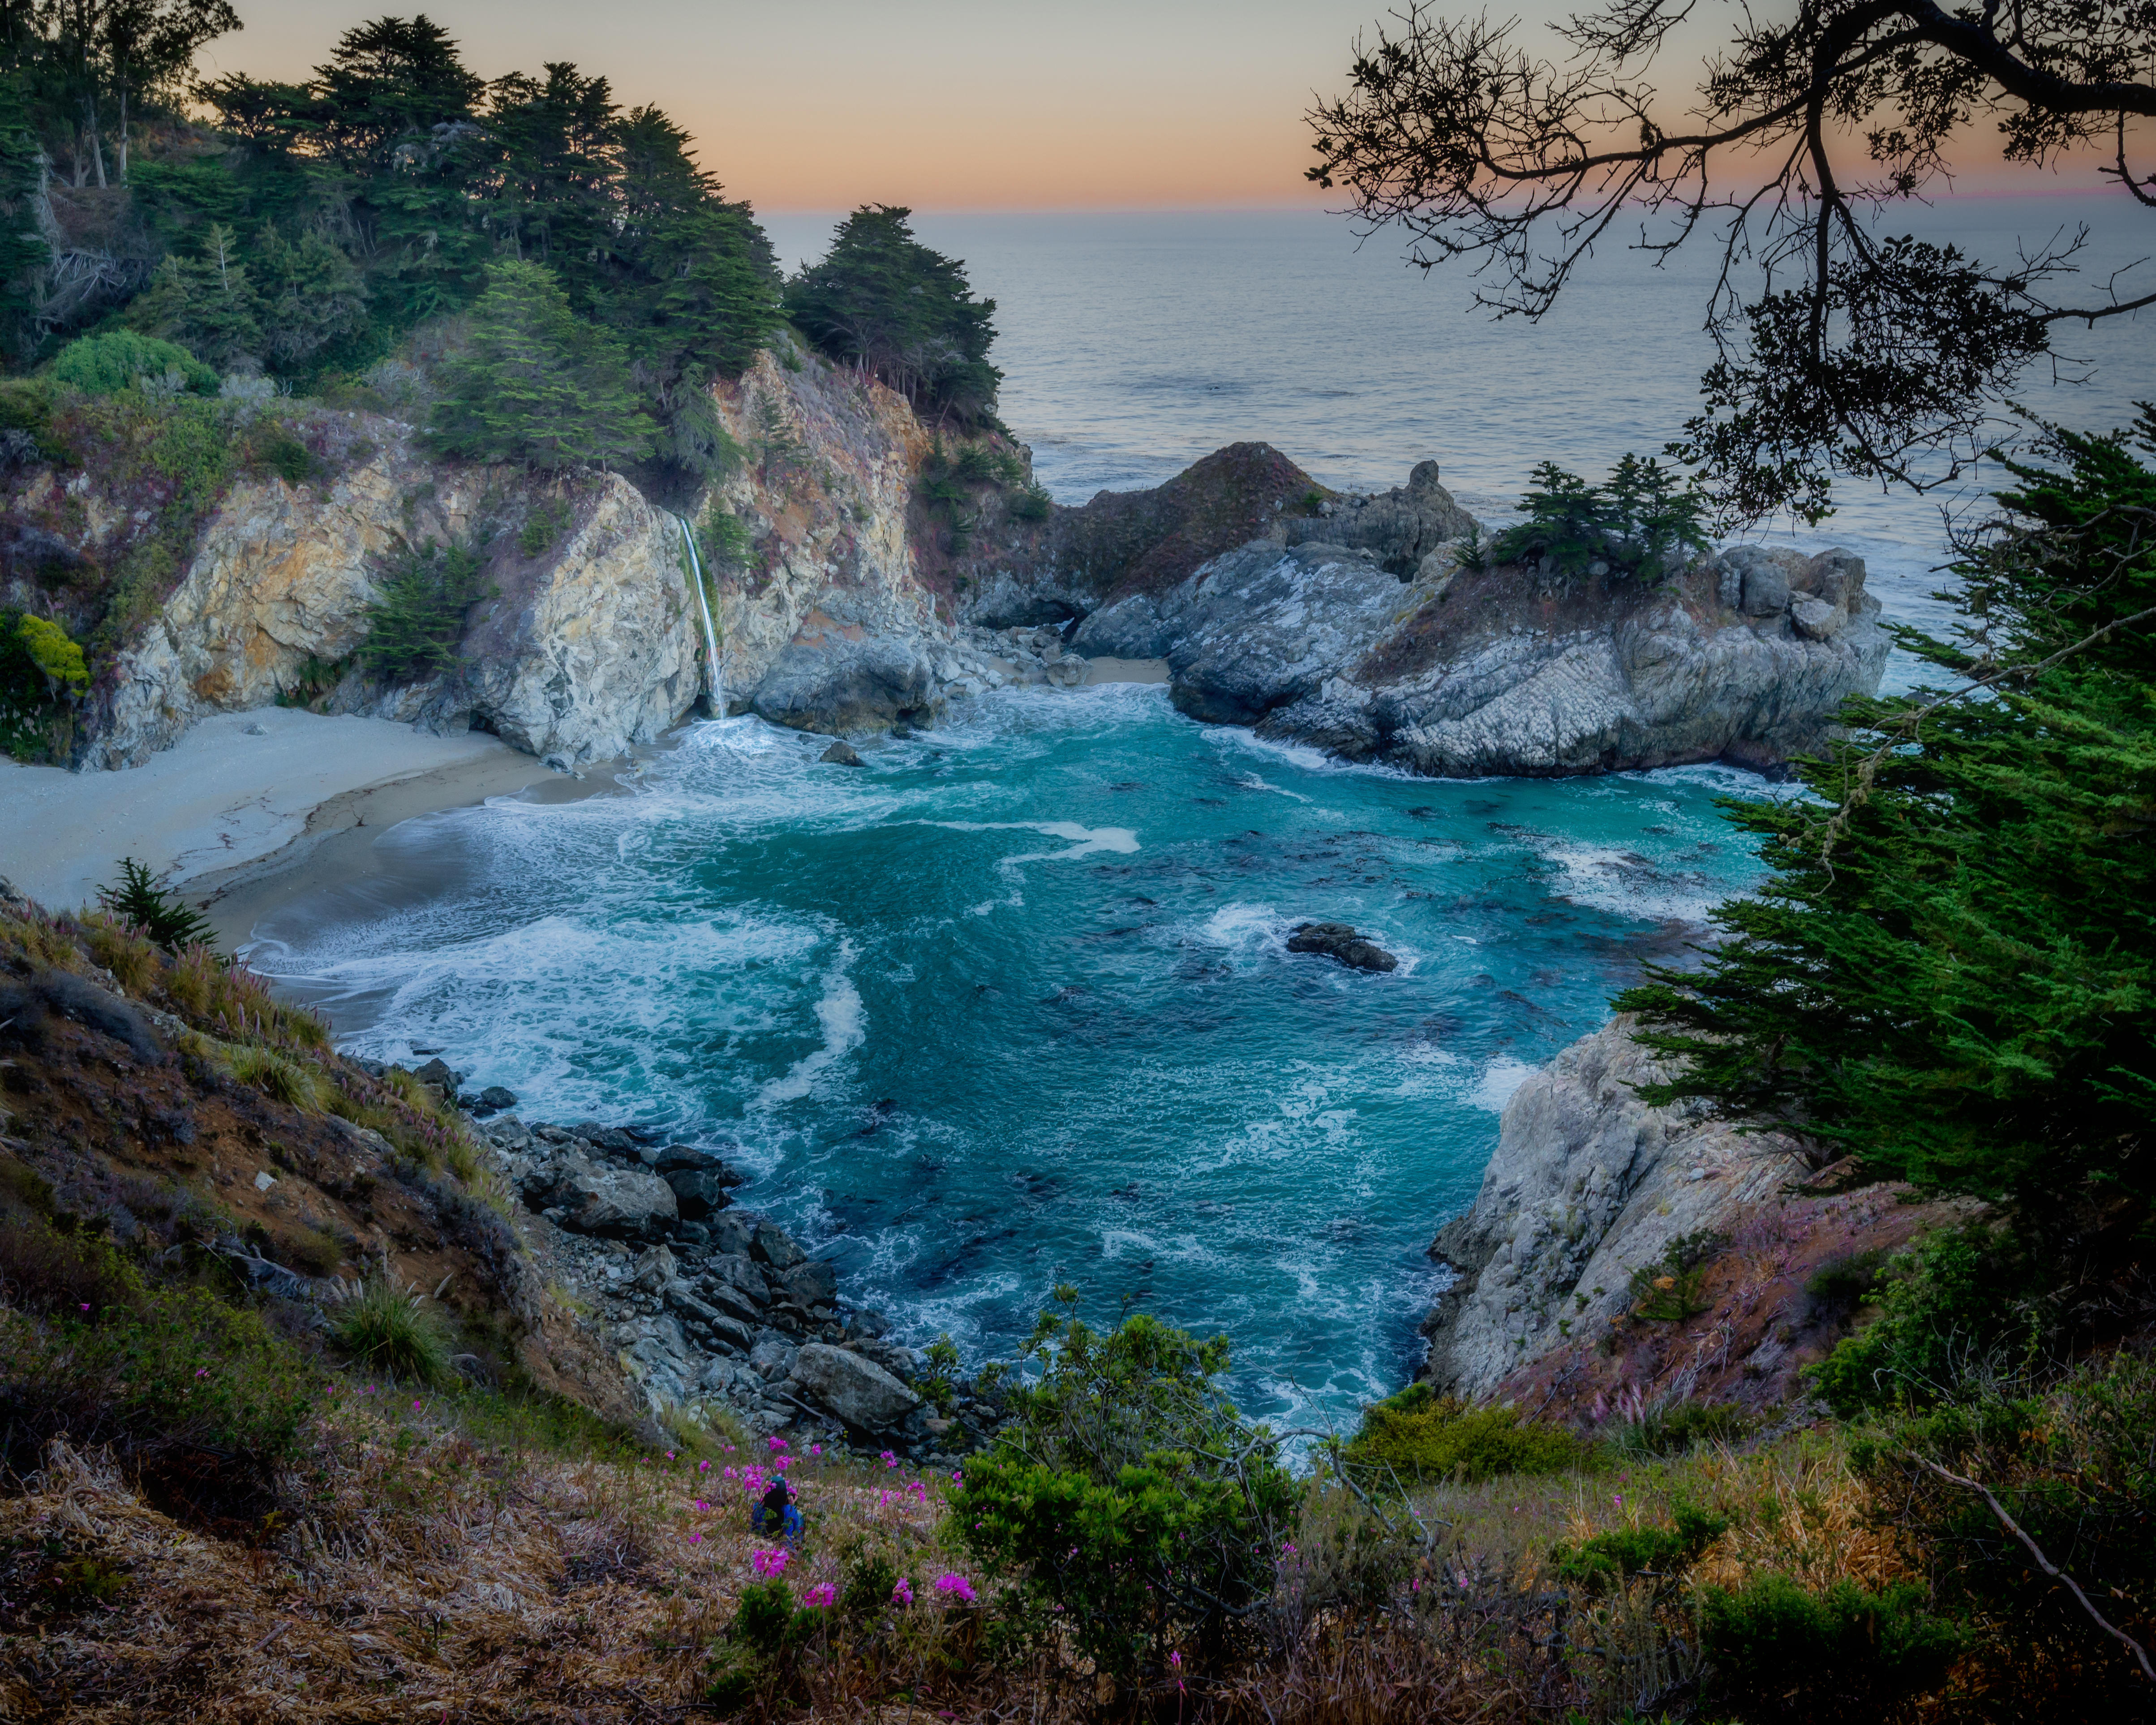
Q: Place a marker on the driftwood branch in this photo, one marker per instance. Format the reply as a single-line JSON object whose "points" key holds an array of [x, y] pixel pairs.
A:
{"points": [[2044, 1562]]}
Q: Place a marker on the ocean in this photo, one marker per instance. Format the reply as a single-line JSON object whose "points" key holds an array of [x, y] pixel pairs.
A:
{"points": [[1013, 1007]]}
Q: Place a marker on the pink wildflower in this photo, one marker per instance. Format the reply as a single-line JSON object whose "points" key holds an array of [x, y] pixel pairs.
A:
{"points": [[902, 1594], [768, 1564], [778, 1445], [957, 1586], [820, 1596], [889, 1460], [815, 1448], [695, 1539]]}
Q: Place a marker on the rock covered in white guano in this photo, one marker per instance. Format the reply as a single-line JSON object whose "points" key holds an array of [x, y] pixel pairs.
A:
{"points": [[1588, 1184]]}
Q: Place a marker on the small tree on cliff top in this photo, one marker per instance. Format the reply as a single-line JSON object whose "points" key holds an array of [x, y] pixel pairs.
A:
{"points": [[1873, 355], [536, 385]]}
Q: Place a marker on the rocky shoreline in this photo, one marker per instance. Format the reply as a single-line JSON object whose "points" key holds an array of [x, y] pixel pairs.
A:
{"points": [[705, 1302]]}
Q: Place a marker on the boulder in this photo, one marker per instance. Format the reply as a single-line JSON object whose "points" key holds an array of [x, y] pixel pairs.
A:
{"points": [[731, 1234], [842, 753], [814, 1283], [700, 1191], [601, 1199], [830, 682], [493, 1100], [773, 1245], [1340, 941], [854, 1390], [1815, 619], [1763, 578], [652, 1270], [1400, 528], [772, 1360]]}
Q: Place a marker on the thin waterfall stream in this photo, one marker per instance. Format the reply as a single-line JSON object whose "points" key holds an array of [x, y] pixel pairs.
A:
{"points": [[718, 669]]}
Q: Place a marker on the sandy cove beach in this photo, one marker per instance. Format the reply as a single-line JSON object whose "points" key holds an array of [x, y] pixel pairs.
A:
{"points": [[255, 793]]}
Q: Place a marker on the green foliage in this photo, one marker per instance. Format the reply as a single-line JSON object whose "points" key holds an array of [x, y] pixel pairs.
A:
{"points": [[1032, 504], [1418, 1435], [722, 539], [123, 359], [883, 301], [1662, 1552], [208, 304], [763, 1644], [271, 445], [391, 1329], [1780, 1651], [1952, 972], [162, 917], [543, 528], [2076, 1468], [934, 1383], [1668, 1290], [1957, 1311], [535, 384], [1672, 1432], [1641, 523], [1126, 1502], [414, 627], [54, 657]]}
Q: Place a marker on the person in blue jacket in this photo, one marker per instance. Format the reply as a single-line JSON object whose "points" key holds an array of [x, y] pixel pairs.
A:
{"points": [[775, 1514]]}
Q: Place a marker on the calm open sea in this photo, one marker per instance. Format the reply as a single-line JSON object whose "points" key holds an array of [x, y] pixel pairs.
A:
{"points": [[1013, 1007]]}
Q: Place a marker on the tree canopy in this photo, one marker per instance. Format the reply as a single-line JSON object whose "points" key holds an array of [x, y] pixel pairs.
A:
{"points": [[1837, 348], [1951, 975], [882, 300]]}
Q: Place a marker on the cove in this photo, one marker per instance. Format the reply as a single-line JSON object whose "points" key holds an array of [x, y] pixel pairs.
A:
{"points": [[1012, 1005]]}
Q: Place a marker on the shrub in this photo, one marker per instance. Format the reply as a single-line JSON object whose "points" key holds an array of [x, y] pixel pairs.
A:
{"points": [[1126, 1502], [1625, 1552], [1668, 1289], [285, 1080], [42, 675], [1955, 1313], [414, 627], [722, 540], [1671, 1431], [1033, 504], [391, 1330], [2076, 1468], [121, 359], [163, 916], [544, 527], [1418, 1435], [761, 1649], [1780, 1651]]}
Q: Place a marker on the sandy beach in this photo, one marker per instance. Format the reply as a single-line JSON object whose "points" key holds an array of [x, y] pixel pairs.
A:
{"points": [[240, 792]]}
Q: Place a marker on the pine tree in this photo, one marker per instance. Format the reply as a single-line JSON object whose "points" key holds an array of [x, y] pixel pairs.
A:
{"points": [[23, 250], [1951, 975], [206, 303], [536, 385]]}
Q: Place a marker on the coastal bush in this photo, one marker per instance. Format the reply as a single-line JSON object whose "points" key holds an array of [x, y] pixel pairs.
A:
{"points": [[2075, 1468], [392, 1329], [1778, 1650], [1673, 1430], [1419, 1434], [277, 1077], [1663, 1553], [543, 527], [1959, 1312], [722, 538], [416, 621], [42, 675], [1641, 522], [1950, 974], [1126, 1503], [1670, 1290], [125, 359]]}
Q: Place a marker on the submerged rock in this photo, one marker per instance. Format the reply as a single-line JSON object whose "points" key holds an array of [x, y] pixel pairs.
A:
{"points": [[1338, 940], [842, 753]]}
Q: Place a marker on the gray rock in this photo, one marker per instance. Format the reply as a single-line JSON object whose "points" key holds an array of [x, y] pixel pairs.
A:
{"points": [[493, 1099], [832, 683], [437, 1072], [698, 1192], [842, 753], [854, 1389], [772, 1360], [773, 1245], [602, 1198], [743, 1275], [1338, 940], [1814, 619], [1588, 1184], [654, 1270], [731, 1234], [1400, 527], [814, 1283], [1765, 576]]}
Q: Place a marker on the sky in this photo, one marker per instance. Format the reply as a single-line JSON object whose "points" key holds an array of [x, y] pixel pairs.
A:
{"points": [[948, 104]]}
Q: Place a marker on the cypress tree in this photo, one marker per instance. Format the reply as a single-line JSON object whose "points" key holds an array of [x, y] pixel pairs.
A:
{"points": [[536, 385], [1951, 975]]}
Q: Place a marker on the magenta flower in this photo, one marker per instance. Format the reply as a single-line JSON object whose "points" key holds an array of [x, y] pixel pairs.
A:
{"points": [[770, 1564], [902, 1594], [695, 1539], [958, 1587], [703, 1467], [820, 1596], [815, 1448], [777, 1443], [889, 1460]]}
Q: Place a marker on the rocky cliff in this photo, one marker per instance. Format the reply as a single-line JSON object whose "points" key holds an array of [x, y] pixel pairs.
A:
{"points": [[1618, 1255]]}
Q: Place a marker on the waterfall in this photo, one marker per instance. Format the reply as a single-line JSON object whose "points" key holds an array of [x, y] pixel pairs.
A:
{"points": [[718, 669]]}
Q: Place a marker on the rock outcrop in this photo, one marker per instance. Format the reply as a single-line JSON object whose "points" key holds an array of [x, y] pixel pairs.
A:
{"points": [[1340, 943], [1587, 1185]]}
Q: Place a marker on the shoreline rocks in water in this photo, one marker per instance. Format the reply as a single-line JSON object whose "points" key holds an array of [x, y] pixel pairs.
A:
{"points": [[706, 1302], [1339, 941]]}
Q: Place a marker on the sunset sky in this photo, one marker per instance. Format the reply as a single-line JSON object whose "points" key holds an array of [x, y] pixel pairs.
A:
{"points": [[947, 104]]}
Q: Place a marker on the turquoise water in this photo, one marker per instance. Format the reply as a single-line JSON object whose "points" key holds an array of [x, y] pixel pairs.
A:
{"points": [[1012, 1006]]}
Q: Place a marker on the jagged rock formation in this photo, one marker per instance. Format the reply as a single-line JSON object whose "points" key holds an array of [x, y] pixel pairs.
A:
{"points": [[1587, 1185]]}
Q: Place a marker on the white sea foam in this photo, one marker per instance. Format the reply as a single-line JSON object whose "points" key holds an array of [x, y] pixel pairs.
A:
{"points": [[1500, 1079], [846, 1027]]}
